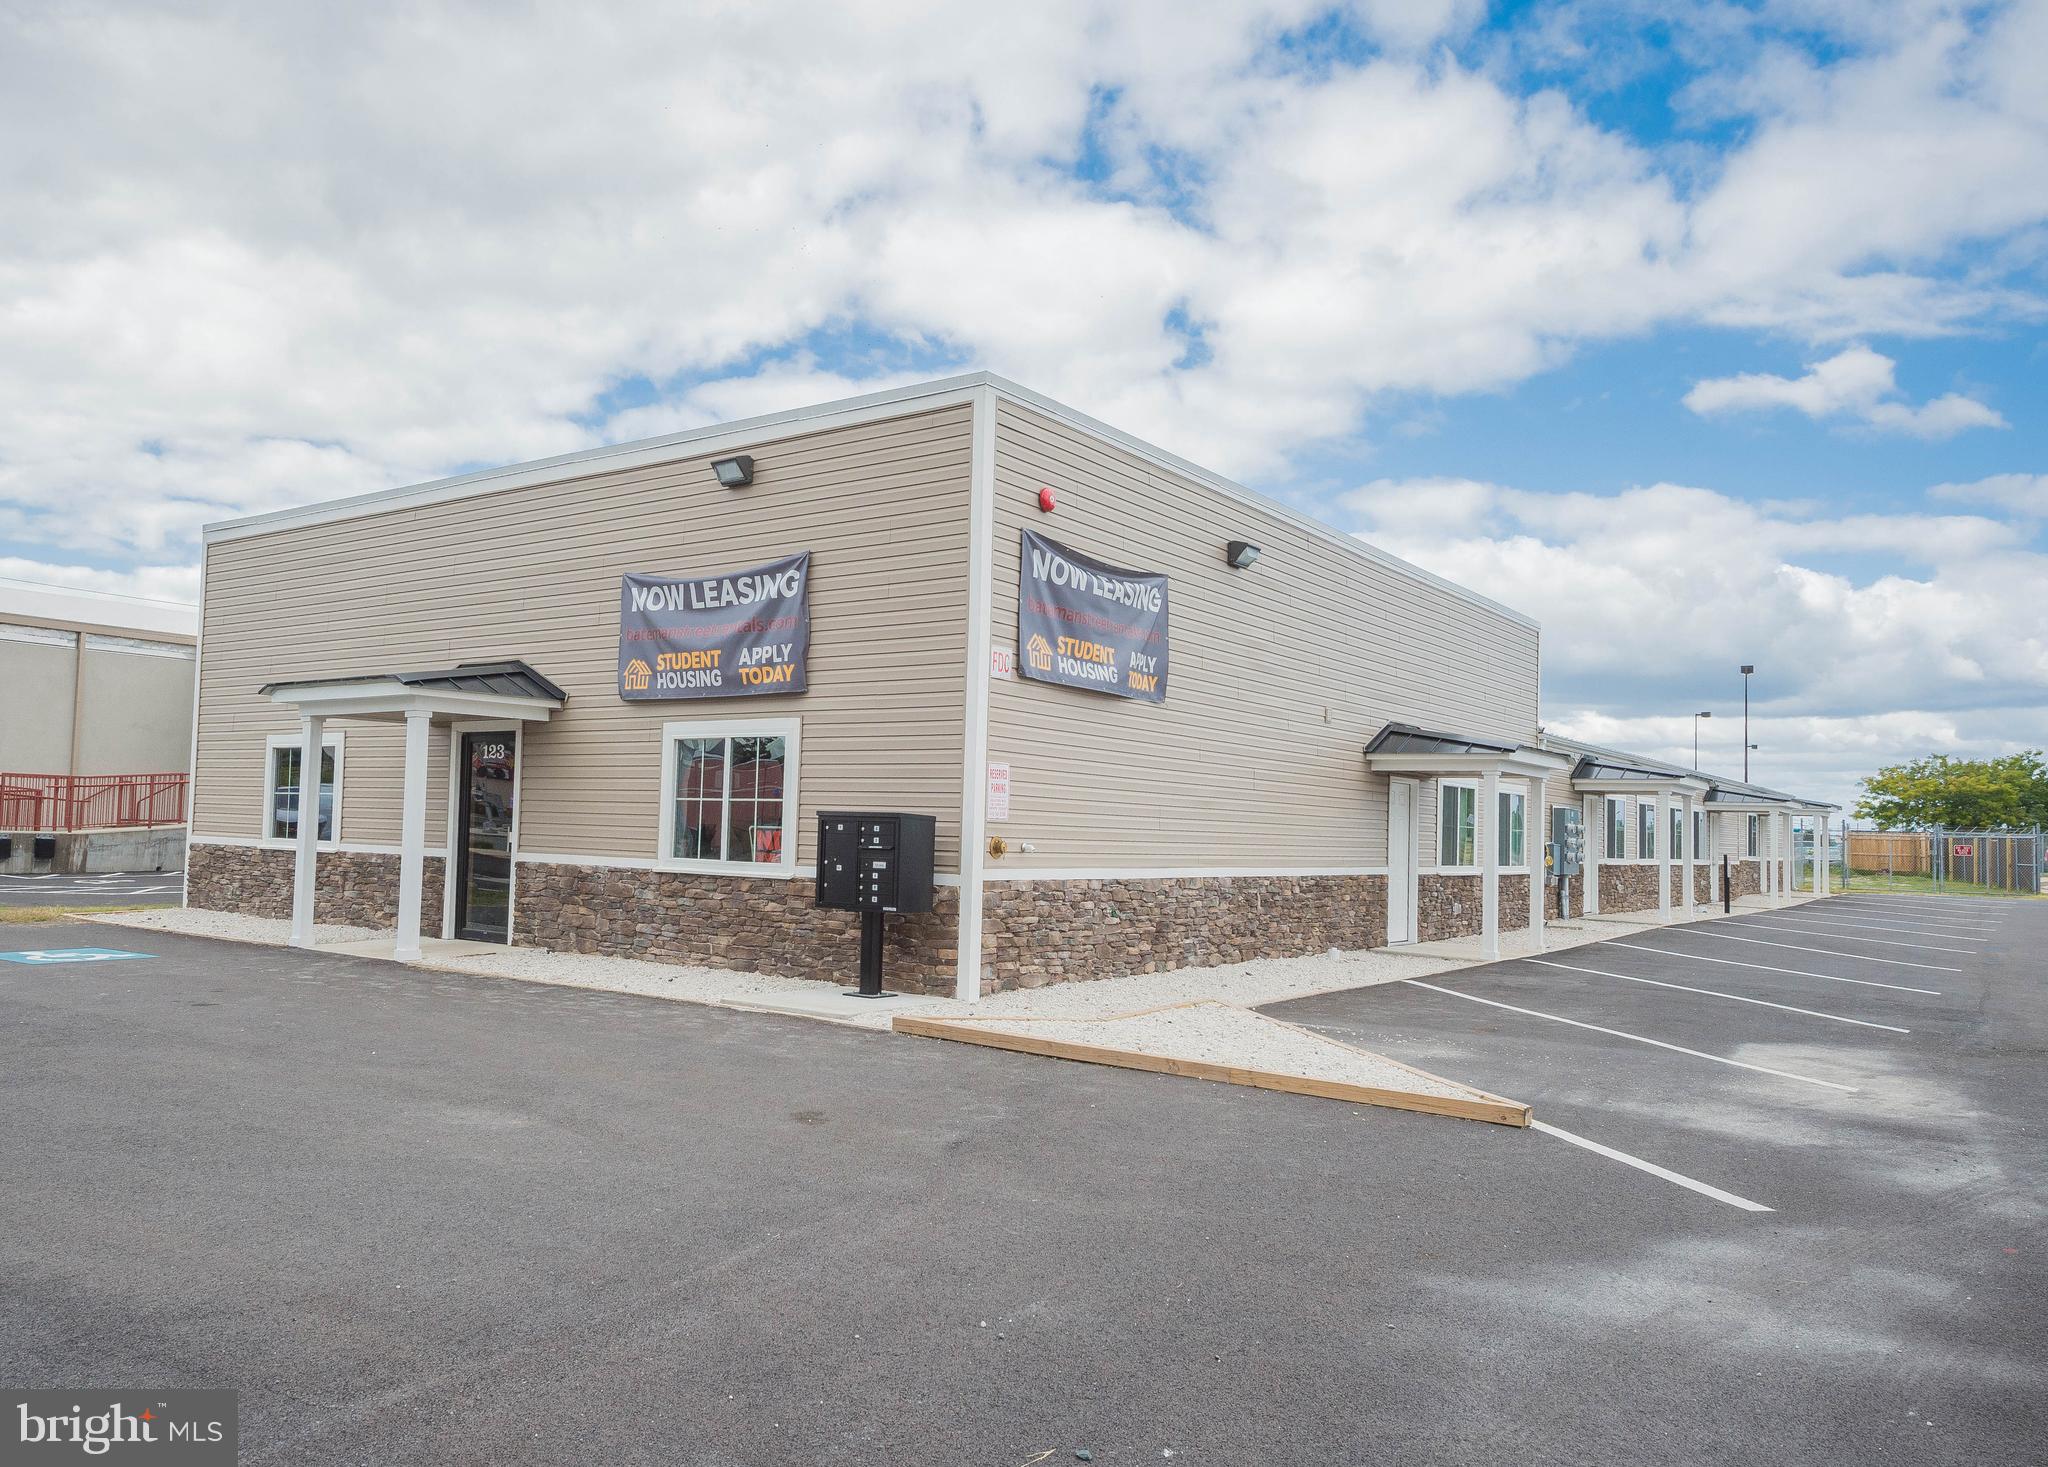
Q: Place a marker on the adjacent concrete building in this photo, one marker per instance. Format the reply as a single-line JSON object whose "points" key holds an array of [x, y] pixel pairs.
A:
{"points": [[1159, 719], [95, 684]]}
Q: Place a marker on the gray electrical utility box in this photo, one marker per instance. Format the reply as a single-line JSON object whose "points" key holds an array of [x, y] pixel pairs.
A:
{"points": [[1567, 841]]}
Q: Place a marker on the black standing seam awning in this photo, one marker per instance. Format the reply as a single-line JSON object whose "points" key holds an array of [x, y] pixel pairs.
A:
{"points": [[1406, 738], [1608, 770], [509, 679]]}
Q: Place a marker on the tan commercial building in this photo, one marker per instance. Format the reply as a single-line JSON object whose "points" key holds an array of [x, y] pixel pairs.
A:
{"points": [[1158, 718]]}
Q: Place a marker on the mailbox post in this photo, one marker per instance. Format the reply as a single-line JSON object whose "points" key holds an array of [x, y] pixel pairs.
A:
{"points": [[874, 863]]}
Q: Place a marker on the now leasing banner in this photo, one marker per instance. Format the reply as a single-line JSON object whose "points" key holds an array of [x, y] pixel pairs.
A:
{"points": [[727, 636], [1084, 624]]}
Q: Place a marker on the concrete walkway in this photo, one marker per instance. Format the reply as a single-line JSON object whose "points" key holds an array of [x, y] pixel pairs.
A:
{"points": [[1249, 985]]}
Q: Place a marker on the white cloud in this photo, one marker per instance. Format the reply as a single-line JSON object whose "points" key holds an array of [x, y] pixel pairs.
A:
{"points": [[252, 256], [2021, 494], [1858, 384], [1651, 598]]}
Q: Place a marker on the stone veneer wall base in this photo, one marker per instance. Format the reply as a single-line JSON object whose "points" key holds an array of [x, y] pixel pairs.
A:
{"points": [[351, 888], [1040, 932]]}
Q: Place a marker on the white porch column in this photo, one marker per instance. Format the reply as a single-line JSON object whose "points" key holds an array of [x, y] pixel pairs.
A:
{"points": [[1692, 856], [305, 868], [1712, 854], [1535, 837], [1766, 863], [412, 850], [1593, 811], [1485, 823], [1820, 854], [1785, 855], [1661, 823]]}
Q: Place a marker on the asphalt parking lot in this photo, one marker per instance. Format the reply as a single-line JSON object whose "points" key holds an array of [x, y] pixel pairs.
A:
{"points": [[123, 888], [431, 1217]]}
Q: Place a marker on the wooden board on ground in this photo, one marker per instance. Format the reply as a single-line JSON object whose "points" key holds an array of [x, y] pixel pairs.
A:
{"points": [[1477, 1105]]}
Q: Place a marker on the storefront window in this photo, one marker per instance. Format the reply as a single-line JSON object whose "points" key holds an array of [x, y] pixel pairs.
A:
{"points": [[282, 791], [1457, 826], [1677, 833], [1511, 843], [1617, 830], [730, 795], [1646, 830]]}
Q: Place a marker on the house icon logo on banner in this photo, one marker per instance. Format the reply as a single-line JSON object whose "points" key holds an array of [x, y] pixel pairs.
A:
{"points": [[637, 675], [1040, 652]]}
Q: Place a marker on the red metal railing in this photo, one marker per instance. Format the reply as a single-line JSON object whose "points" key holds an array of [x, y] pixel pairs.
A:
{"points": [[46, 803]]}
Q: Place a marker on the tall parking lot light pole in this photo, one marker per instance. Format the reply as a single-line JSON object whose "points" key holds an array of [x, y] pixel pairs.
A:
{"points": [[1696, 738], [1747, 669]]}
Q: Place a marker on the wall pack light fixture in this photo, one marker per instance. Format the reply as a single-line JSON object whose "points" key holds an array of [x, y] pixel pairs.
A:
{"points": [[1240, 554], [734, 472]]}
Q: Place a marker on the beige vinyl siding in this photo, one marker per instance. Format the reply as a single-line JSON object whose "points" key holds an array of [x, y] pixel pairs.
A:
{"points": [[1278, 676], [533, 573]]}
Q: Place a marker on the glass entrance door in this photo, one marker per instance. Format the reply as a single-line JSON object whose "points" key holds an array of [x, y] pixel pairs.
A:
{"points": [[483, 890]]}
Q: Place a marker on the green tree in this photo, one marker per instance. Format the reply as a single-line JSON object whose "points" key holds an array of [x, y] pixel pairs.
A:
{"points": [[2010, 792]]}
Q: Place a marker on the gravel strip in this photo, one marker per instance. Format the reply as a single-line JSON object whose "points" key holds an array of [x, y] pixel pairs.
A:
{"points": [[231, 926], [631, 975], [1223, 1034]]}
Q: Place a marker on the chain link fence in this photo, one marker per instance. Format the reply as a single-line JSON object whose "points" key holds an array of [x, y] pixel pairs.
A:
{"points": [[1943, 862]]}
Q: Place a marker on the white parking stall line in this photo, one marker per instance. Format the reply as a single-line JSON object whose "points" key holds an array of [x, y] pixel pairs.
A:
{"points": [[1906, 914], [1956, 906], [1925, 947], [1833, 952], [1680, 1179], [1717, 993], [1854, 926], [1768, 968], [1892, 914], [1637, 1038]]}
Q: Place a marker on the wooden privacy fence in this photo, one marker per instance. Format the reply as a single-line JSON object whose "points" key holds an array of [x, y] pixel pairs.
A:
{"points": [[1905, 852], [45, 804]]}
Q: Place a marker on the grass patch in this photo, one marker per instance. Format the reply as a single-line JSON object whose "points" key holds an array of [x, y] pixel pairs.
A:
{"points": [[1905, 884], [15, 916]]}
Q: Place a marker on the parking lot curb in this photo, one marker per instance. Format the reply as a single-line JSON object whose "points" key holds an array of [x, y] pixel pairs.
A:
{"points": [[1495, 1109]]}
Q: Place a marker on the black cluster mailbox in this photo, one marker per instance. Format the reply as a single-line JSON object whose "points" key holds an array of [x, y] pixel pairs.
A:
{"points": [[874, 863], [871, 862]]}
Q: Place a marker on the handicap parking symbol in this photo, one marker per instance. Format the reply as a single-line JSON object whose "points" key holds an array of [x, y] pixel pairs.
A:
{"points": [[70, 955]]}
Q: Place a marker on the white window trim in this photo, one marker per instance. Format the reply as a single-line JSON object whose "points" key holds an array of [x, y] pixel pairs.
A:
{"points": [[1753, 838], [1677, 836], [1442, 867], [1508, 860], [1651, 854], [1612, 805], [334, 739], [788, 729]]}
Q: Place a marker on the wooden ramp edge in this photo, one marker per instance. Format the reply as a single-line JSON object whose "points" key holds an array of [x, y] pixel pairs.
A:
{"points": [[1482, 1107]]}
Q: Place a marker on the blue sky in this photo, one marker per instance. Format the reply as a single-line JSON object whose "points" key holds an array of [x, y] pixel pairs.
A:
{"points": [[1665, 323]]}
